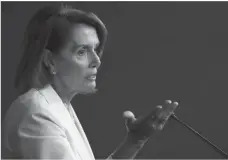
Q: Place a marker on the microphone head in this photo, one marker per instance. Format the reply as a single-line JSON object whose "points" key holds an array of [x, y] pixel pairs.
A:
{"points": [[128, 114]]}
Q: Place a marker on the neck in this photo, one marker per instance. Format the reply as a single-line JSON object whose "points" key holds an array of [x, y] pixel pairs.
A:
{"points": [[64, 93]]}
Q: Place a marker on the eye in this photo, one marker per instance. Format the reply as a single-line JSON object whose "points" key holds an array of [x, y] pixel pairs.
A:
{"points": [[82, 52]]}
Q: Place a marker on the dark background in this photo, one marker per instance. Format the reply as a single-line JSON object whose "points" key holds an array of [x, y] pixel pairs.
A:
{"points": [[155, 51]]}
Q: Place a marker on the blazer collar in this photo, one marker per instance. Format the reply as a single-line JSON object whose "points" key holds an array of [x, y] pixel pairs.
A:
{"points": [[51, 95]]}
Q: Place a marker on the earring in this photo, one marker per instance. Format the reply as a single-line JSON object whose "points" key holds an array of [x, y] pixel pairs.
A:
{"points": [[53, 70]]}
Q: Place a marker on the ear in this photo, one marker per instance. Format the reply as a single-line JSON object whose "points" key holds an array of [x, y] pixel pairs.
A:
{"points": [[48, 60]]}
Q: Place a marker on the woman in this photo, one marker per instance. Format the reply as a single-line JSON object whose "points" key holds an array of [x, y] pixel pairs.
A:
{"points": [[62, 51]]}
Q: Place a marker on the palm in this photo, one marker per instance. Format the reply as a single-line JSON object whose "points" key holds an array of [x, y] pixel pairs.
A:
{"points": [[143, 127]]}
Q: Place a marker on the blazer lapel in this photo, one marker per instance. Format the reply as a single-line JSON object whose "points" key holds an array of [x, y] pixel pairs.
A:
{"points": [[80, 129], [70, 121]]}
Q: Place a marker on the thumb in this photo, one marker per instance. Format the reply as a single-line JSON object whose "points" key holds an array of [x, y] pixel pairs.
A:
{"points": [[129, 118]]}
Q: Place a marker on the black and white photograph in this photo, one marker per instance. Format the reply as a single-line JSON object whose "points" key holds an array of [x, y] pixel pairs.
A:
{"points": [[86, 80]]}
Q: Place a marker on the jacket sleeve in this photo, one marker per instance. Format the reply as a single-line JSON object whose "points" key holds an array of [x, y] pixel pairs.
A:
{"points": [[39, 137]]}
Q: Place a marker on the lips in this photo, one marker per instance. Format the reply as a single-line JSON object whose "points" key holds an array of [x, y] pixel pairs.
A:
{"points": [[91, 77]]}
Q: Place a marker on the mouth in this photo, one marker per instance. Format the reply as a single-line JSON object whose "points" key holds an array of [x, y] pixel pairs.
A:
{"points": [[91, 77]]}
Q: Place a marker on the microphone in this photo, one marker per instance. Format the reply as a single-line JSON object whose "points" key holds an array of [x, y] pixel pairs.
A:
{"points": [[174, 117]]}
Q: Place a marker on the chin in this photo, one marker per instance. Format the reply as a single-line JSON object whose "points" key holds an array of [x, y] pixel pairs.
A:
{"points": [[89, 89]]}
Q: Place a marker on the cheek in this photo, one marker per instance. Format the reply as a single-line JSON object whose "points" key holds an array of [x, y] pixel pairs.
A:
{"points": [[73, 71], [77, 72]]}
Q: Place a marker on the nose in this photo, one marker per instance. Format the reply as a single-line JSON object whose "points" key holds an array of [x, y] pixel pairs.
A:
{"points": [[95, 61]]}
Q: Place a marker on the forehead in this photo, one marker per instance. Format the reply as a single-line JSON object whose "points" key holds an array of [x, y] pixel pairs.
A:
{"points": [[83, 34]]}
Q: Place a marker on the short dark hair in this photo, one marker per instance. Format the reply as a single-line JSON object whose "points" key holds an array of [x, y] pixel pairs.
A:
{"points": [[47, 29]]}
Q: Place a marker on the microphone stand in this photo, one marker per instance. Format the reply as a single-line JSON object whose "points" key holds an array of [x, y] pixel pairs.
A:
{"points": [[174, 117]]}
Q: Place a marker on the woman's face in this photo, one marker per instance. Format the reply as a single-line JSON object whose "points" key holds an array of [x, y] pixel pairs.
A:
{"points": [[77, 63]]}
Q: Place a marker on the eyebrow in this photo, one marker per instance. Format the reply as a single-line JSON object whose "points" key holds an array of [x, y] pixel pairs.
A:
{"points": [[87, 46]]}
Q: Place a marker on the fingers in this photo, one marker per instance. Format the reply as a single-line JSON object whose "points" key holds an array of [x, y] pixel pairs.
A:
{"points": [[167, 110], [156, 119], [163, 114], [154, 113]]}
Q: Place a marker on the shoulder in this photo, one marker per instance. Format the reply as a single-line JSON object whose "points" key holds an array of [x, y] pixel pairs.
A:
{"points": [[29, 118], [26, 108], [30, 112], [26, 104], [32, 99]]}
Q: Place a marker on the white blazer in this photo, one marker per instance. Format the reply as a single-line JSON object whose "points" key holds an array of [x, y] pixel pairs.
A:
{"points": [[39, 126]]}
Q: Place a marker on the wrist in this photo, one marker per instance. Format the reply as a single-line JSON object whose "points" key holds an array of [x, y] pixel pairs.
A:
{"points": [[131, 139]]}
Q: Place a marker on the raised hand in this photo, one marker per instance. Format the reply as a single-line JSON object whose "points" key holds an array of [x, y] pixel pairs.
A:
{"points": [[143, 127]]}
